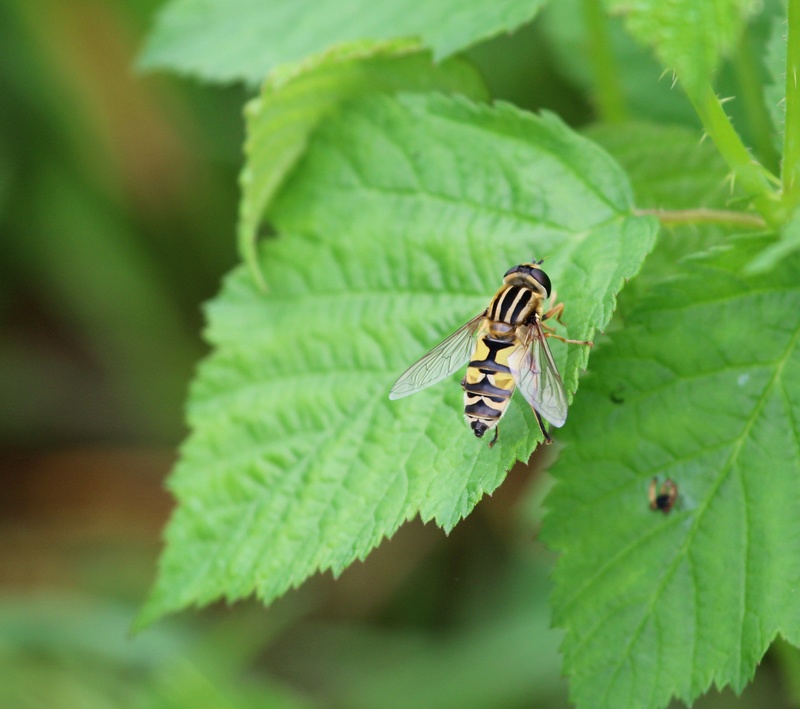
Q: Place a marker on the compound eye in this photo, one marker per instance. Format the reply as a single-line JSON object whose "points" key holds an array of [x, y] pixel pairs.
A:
{"points": [[511, 270], [542, 279]]}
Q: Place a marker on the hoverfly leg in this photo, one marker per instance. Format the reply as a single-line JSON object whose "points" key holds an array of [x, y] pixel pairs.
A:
{"points": [[496, 434], [542, 428], [568, 341], [555, 312]]}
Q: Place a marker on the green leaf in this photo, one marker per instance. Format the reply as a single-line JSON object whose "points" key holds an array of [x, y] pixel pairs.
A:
{"points": [[699, 388], [394, 230], [787, 243], [297, 98], [688, 37], [234, 40], [669, 166]]}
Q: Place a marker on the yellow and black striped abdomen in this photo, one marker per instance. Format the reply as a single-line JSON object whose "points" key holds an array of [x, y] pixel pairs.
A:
{"points": [[488, 384]]}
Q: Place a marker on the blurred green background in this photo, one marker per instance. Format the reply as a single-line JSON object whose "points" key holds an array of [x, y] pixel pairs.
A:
{"points": [[118, 199]]}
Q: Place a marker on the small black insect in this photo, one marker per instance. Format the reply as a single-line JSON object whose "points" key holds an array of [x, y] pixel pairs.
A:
{"points": [[663, 498]]}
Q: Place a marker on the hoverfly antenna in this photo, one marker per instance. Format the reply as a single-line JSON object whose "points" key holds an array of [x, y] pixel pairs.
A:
{"points": [[539, 262]]}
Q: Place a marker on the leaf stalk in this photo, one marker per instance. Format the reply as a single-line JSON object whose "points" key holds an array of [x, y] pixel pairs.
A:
{"points": [[701, 215]]}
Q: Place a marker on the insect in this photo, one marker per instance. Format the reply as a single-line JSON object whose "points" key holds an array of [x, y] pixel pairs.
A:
{"points": [[506, 348], [662, 499]]}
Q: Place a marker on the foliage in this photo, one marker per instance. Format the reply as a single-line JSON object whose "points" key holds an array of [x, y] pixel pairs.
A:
{"points": [[246, 39], [394, 198], [714, 410]]}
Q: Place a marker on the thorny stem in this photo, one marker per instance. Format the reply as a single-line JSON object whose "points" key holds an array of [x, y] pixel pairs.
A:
{"points": [[752, 176], [745, 64]]}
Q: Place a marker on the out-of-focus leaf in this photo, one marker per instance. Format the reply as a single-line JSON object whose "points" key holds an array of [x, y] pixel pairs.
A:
{"points": [[73, 652], [234, 40], [107, 285], [689, 37], [648, 93]]}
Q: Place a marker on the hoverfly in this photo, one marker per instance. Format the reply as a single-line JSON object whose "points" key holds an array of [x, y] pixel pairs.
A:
{"points": [[506, 347], [662, 499]]}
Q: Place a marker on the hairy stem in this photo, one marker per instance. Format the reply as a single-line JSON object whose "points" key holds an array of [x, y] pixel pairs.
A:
{"points": [[745, 63], [753, 178], [704, 216]]}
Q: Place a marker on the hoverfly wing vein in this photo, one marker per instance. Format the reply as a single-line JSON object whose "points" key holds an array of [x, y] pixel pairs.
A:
{"points": [[537, 377], [444, 359]]}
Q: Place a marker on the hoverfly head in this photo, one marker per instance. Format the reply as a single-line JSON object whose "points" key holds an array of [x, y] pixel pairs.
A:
{"points": [[530, 275]]}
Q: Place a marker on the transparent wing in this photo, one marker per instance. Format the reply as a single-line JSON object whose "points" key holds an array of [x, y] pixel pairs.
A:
{"points": [[441, 361], [537, 377]]}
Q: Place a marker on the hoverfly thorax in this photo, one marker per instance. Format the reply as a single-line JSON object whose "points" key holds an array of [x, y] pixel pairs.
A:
{"points": [[506, 348]]}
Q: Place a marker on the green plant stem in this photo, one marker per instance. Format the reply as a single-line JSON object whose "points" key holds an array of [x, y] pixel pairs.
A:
{"points": [[608, 95], [752, 94], [791, 139], [704, 216], [752, 176]]}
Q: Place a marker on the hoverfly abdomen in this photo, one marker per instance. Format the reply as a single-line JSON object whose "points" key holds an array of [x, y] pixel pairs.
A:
{"points": [[484, 386], [490, 355], [481, 407], [489, 383], [479, 428]]}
